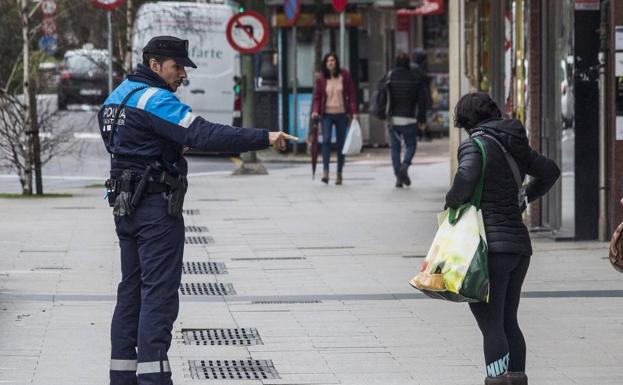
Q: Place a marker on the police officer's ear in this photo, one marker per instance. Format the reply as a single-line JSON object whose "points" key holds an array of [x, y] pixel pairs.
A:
{"points": [[154, 65]]}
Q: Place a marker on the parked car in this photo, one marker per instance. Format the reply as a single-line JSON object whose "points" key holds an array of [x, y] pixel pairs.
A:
{"points": [[83, 77]]}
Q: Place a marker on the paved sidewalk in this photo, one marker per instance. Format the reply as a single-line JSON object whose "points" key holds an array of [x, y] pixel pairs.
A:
{"points": [[320, 275]]}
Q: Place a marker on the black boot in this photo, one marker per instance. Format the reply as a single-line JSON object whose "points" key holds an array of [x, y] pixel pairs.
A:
{"points": [[398, 182], [518, 378], [325, 177], [501, 380], [404, 174]]}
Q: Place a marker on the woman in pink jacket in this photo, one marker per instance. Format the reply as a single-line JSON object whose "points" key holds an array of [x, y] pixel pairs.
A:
{"points": [[334, 99]]}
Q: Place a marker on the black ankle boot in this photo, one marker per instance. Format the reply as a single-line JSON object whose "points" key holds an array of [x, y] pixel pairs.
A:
{"points": [[501, 380], [517, 378]]}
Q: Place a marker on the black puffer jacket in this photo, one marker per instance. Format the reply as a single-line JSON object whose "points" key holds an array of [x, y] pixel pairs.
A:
{"points": [[406, 92], [506, 232]]}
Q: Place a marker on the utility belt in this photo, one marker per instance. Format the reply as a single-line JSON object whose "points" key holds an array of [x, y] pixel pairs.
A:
{"points": [[126, 191]]}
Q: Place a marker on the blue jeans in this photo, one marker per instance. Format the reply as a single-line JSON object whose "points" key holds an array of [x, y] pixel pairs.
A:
{"points": [[340, 121], [409, 134]]}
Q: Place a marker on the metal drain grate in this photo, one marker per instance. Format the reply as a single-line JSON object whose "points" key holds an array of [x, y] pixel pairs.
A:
{"points": [[246, 219], [232, 370], [238, 337], [414, 256], [199, 240], [190, 212], [204, 268], [207, 288], [196, 229]]}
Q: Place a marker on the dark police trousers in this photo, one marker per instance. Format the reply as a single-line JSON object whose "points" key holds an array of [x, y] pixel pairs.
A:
{"points": [[152, 245]]}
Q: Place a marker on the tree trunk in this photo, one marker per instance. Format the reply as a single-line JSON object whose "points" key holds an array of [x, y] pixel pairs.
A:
{"points": [[27, 184], [34, 130], [129, 15]]}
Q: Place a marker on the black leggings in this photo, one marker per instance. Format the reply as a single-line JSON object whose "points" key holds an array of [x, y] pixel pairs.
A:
{"points": [[504, 344]]}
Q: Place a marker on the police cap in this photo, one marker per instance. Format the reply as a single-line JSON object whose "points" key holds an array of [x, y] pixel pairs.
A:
{"points": [[172, 47]]}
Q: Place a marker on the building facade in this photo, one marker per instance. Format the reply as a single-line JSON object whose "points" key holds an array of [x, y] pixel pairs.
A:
{"points": [[550, 65]]}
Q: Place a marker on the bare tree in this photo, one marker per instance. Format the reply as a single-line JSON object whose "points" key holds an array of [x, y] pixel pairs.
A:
{"points": [[15, 151]]}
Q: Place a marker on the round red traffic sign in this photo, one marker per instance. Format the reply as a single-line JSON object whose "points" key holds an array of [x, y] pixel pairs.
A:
{"points": [[339, 5], [48, 7], [48, 26], [292, 10], [247, 32], [108, 5]]}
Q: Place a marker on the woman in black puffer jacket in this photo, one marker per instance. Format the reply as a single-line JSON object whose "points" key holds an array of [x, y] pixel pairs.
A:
{"points": [[507, 236]]}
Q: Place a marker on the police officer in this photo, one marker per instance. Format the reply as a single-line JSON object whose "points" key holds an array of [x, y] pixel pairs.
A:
{"points": [[145, 128]]}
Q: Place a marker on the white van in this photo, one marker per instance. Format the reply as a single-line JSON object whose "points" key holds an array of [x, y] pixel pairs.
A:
{"points": [[210, 87]]}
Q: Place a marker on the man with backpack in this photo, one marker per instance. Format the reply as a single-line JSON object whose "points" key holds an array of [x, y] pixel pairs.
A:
{"points": [[400, 100]]}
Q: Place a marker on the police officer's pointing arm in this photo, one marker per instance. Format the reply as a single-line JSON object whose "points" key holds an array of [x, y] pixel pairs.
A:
{"points": [[175, 121]]}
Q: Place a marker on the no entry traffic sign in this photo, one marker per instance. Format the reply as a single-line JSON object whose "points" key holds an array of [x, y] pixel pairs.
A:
{"points": [[247, 32]]}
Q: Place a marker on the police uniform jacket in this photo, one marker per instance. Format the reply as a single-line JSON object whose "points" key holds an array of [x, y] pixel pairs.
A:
{"points": [[156, 125]]}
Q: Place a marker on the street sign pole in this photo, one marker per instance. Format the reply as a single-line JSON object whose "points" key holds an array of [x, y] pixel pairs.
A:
{"points": [[109, 17], [342, 33], [295, 89], [247, 33]]}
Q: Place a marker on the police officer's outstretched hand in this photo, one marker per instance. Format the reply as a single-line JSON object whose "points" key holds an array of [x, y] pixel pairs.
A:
{"points": [[278, 139]]}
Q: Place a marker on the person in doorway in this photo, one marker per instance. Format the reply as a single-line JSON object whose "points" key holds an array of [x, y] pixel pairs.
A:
{"points": [[507, 237], [406, 100], [419, 66], [334, 99], [145, 128]]}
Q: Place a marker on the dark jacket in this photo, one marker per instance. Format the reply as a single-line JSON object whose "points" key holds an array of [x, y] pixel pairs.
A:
{"points": [[155, 125], [349, 93], [406, 94], [422, 77], [506, 232]]}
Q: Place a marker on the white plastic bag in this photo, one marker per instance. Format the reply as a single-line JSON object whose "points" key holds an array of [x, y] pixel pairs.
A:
{"points": [[354, 139]]}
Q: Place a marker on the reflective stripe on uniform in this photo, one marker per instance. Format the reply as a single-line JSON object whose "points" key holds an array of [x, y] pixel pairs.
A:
{"points": [[152, 367], [123, 365], [142, 102], [187, 119]]}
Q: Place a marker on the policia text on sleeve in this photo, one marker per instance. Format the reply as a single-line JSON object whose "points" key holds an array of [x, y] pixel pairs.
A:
{"points": [[145, 128]]}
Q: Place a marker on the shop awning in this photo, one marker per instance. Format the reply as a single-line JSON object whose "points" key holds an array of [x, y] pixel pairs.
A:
{"points": [[423, 8]]}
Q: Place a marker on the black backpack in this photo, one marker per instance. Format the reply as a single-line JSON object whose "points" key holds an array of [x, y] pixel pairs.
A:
{"points": [[380, 100]]}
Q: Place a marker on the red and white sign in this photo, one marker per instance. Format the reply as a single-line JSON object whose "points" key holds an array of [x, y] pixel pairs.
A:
{"points": [[424, 8], [48, 7], [247, 32], [108, 5], [339, 5], [48, 26]]}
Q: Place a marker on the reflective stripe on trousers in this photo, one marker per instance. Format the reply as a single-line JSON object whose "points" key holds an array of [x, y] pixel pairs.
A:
{"points": [[123, 365], [140, 367]]}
